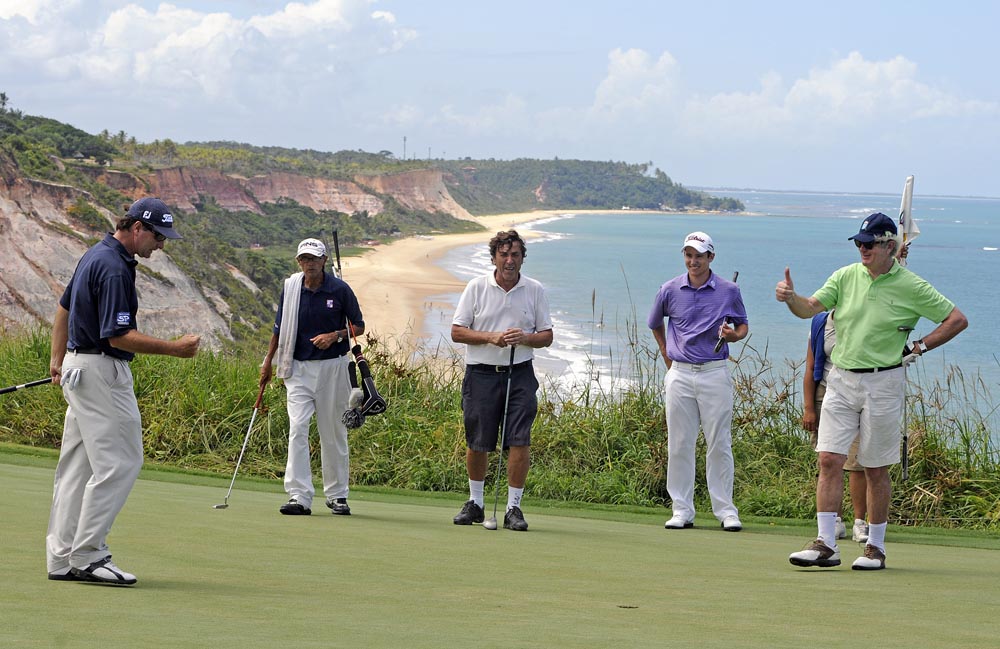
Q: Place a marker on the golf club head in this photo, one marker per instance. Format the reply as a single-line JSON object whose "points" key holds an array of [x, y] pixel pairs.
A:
{"points": [[222, 506], [490, 523]]}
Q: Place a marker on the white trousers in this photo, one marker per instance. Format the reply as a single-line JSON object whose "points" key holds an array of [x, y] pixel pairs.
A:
{"points": [[320, 388], [699, 395], [99, 460]]}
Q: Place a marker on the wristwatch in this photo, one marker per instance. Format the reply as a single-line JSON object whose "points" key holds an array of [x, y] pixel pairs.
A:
{"points": [[923, 347]]}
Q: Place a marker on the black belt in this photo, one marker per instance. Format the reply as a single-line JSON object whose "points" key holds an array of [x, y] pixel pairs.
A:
{"points": [[869, 370], [496, 369], [85, 350]]}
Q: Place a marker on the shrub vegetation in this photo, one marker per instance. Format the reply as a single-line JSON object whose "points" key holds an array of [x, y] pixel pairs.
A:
{"points": [[589, 445]]}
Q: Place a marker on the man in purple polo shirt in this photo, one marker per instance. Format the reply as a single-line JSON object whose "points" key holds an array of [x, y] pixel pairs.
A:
{"points": [[700, 308]]}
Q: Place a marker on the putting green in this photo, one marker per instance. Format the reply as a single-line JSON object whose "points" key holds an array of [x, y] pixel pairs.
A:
{"points": [[397, 573]]}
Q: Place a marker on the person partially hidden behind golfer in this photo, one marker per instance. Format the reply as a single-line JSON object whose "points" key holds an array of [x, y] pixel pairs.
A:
{"points": [[497, 311], [878, 301], [310, 342], [701, 308], [94, 337]]}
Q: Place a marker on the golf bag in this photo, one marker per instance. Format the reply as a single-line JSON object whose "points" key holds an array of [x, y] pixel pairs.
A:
{"points": [[371, 402]]}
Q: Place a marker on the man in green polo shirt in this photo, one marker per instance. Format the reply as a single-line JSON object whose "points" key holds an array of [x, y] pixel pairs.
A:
{"points": [[878, 301]]}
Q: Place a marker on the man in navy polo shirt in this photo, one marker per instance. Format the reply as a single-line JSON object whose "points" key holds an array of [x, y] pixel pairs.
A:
{"points": [[317, 315], [94, 336], [700, 308]]}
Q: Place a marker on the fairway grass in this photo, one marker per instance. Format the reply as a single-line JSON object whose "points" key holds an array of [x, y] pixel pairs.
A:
{"points": [[397, 573]]}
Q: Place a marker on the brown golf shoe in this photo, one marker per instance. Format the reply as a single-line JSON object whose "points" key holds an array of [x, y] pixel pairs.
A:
{"points": [[815, 555], [873, 559]]}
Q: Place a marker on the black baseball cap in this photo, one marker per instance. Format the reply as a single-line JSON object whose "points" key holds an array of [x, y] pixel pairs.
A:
{"points": [[876, 227], [154, 213]]}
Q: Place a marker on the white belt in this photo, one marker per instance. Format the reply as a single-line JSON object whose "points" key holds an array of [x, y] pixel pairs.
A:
{"points": [[698, 367]]}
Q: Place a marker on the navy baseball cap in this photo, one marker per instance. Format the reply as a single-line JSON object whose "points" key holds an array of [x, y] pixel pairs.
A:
{"points": [[876, 227], [154, 213]]}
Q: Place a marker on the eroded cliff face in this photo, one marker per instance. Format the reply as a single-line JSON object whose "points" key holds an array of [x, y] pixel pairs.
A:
{"points": [[419, 190], [183, 187], [40, 243], [40, 246]]}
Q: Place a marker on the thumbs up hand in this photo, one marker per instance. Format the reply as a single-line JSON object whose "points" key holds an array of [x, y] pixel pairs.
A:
{"points": [[785, 290]]}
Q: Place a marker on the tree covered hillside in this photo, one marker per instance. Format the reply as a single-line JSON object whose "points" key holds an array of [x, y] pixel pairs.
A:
{"points": [[492, 186]]}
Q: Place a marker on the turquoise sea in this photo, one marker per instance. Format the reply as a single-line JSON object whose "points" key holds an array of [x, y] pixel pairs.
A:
{"points": [[602, 270]]}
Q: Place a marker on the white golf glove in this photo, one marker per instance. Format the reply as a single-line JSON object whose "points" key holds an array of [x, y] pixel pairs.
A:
{"points": [[910, 358], [71, 378]]}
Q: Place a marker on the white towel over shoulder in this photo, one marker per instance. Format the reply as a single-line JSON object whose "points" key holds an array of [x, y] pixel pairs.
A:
{"points": [[289, 325]]}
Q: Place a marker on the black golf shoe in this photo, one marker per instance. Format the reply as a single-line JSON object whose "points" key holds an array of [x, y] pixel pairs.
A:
{"points": [[64, 574], [338, 506], [471, 514], [514, 520], [294, 508]]}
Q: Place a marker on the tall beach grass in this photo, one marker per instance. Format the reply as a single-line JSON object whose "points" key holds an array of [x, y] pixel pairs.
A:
{"points": [[590, 443]]}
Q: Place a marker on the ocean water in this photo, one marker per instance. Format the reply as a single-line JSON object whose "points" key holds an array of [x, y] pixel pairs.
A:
{"points": [[601, 272]]}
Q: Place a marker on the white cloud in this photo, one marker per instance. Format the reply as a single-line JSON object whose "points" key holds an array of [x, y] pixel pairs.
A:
{"points": [[33, 11], [850, 94], [208, 58], [636, 83], [510, 116]]}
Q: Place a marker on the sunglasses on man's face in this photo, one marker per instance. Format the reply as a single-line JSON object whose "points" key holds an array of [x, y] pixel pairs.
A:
{"points": [[867, 245], [156, 235]]}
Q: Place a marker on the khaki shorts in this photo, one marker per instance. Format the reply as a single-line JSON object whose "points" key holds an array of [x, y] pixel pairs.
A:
{"points": [[869, 405], [852, 455]]}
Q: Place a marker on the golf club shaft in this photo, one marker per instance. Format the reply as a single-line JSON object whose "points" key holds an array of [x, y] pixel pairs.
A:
{"points": [[336, 250], [905, 450], [718, 345], [26, 385], [503, 434], [253, 417]]}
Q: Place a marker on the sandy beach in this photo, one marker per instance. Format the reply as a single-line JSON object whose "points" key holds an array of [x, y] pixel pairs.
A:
{"points": [[394, 282]]}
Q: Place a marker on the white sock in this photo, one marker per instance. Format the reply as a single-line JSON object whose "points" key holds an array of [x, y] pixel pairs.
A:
{"points": [[514, 496], [476, 491], [827, 523], [860, 521], [876, 535]]}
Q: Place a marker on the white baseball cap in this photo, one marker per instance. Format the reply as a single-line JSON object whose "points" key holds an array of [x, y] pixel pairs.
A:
{"points": [[313, 247], [700, 242]]}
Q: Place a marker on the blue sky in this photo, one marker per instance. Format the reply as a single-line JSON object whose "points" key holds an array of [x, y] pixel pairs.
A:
{"points": [[848, 96]]}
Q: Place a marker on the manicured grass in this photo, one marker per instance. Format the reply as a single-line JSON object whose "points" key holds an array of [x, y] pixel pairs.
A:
{"points": [[398, 573]]}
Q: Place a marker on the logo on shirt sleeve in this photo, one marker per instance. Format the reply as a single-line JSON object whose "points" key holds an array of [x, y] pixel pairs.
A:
{"points": [[124, 318]]}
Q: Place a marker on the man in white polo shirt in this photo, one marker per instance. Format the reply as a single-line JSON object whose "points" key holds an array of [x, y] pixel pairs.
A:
{"points": [[497, 311]]}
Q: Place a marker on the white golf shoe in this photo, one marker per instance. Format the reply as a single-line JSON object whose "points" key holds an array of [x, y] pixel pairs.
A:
{"points": [[105, 572], [860, 531], [816, 555], [732, 523], [841, 528], [678, 522], [872, 559]]}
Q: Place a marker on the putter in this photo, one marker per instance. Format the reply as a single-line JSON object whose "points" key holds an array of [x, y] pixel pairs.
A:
{"points": [[256, 407], [905, 451], [26, 385], [491, 523], [718, 345]]}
